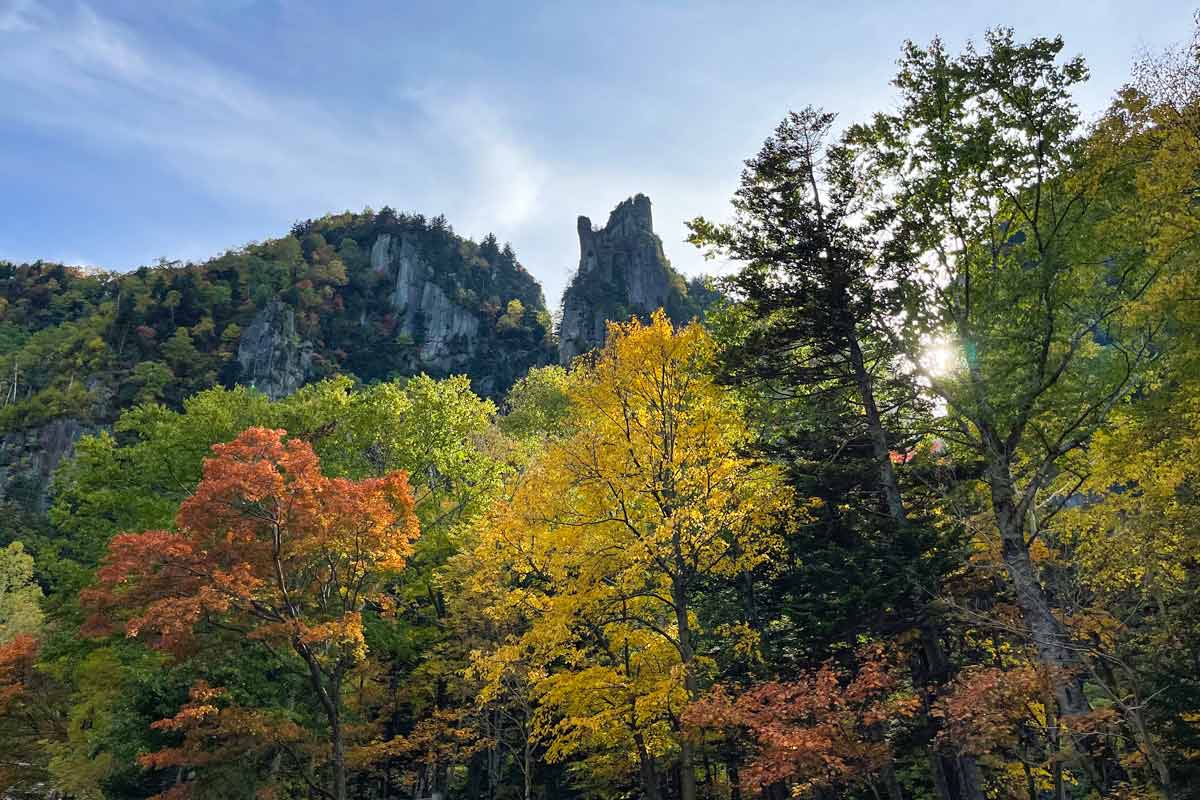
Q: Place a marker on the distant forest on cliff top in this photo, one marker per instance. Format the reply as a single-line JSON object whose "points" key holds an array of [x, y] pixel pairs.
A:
{"points": [[89, 343], [911, 512]]}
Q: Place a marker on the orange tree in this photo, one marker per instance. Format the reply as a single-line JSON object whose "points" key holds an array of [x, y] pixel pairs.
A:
{"points": [[274, 552]]}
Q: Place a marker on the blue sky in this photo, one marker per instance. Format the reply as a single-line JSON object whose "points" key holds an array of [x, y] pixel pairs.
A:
{"points": [[134, 130]]}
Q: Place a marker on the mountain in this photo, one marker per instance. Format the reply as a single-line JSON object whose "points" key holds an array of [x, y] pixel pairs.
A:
{"points": [[374, 295], [623, 272]]}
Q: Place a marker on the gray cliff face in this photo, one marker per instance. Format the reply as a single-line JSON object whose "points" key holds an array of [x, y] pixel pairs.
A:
{"points": [[445, 333], [622, 272], [28, 458], [274, 359]]}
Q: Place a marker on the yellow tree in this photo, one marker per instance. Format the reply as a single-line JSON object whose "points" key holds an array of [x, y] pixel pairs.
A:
{"points": [[1134, 541], [606, 540]]}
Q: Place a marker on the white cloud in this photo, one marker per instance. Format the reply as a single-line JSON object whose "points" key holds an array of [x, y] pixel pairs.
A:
{"points": [[422, 145], [90, 77], [18, 16]]}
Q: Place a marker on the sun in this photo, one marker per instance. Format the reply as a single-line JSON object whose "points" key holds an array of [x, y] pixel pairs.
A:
{"points": [[941, 358]]}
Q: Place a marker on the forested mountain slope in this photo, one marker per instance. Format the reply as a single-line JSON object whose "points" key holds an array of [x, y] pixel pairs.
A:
{"points": [[372, 295]]}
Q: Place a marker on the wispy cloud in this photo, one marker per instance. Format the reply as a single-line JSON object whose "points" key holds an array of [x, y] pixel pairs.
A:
{"points": [[426, 141], [17, 17], [76, 72]]}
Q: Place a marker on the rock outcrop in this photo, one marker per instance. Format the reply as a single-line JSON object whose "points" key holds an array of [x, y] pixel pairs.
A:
{"points": [[444, 333], [273, 357], [622, 273], [29, 457], [375, 296]]}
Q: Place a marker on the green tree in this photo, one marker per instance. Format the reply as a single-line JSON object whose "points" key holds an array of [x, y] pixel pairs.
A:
{"points": [[808, 336], [20, 596], [152, 379], [984, 175]]}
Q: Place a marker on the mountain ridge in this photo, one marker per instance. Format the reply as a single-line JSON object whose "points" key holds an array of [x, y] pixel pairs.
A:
{"points": [[373, 295]]}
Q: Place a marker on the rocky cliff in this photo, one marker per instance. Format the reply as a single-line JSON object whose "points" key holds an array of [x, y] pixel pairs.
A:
{"points": [[376, 295], [623, 272], [445, 333], [273, 358], [372, 295], [29, 457]]}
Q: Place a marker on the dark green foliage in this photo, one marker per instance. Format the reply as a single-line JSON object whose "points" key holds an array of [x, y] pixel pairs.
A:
{"points": [[87, 344]]}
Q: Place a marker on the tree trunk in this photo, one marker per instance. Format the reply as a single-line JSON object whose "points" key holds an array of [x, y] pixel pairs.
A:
{"points": [[527, 754], [961, 776], [648, 773], [970, 782], [879, 443], [735, 780], [339, 758], [331, 699], [954, 777], [1050, 639], [890, 782], [687, 770], [1155, 757]]}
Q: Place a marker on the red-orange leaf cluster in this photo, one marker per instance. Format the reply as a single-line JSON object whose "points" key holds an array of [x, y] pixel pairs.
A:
{"points": [[215, 731], [17, 658], [985, 706], [269, 547], [825, 729], [265, 536]]}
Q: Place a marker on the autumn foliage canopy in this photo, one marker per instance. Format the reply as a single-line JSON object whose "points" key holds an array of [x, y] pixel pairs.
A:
{"points": [[266, 538]]}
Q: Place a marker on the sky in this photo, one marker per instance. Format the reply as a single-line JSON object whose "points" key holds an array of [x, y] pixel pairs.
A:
{"points": [[132, 131]]}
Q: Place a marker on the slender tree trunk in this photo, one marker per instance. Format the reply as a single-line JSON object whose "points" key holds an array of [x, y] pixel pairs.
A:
{"points": [[339, 757], [1060, 789], [944, 778], [890, 782], [955, 777], [879, 443], [735, 779], [527, 754], [964, 775], [1161, 770], [970, 782], [330, 697], [687, 770], [1136, 723], [1050, 639], [1030, 783], [649, 774]]}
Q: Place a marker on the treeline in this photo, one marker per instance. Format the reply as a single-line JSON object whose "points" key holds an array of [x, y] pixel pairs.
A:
{"points": [[912, 515]]}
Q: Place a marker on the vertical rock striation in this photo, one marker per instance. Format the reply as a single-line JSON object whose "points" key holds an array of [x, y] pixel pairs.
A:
{"points": [[274, 359], [444, 332], [622, 273]]}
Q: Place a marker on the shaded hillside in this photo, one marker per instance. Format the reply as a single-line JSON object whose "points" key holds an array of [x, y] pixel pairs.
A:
{"points": [[373, 295]]}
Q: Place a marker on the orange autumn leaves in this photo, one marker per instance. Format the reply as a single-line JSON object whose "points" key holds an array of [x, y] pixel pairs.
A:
{"points": [[17, 657], [269, 548], [214, 730], [827, 728], [266, 538]]}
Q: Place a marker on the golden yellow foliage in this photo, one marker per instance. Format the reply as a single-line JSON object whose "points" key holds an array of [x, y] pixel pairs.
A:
{"points": [[604, 539]]}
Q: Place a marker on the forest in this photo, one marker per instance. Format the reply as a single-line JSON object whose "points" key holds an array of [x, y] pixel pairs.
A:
{"points": [[912, 513]]}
